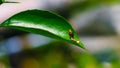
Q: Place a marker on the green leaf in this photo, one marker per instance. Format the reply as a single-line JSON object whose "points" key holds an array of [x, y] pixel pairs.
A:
{"points": [[45, 23]]}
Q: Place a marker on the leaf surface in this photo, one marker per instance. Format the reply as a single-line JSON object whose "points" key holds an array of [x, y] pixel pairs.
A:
{"points": [[45, 23]]}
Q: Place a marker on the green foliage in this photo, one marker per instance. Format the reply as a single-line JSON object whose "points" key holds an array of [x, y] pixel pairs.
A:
{"points": [[83, 5], [45, 23], [4, 60], [46, 55], [1, 1]]}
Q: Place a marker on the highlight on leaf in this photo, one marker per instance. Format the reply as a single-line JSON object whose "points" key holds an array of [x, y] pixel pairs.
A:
{"points": [[45, 23]]}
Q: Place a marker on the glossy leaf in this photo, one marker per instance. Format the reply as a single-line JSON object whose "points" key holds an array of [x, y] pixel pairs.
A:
{"points": [[45, 23]]}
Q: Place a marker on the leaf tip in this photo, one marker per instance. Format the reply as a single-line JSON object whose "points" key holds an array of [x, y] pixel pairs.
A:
{"points": [[81, 45]]}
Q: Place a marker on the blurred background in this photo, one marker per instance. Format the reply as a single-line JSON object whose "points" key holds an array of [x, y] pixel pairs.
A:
{"points": [[95, 21]]}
